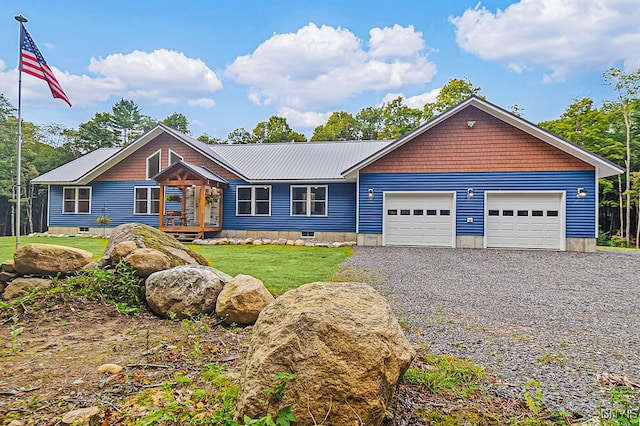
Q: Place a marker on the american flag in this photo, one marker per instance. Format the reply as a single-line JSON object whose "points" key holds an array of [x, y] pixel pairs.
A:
{"points": [[33, 63]]}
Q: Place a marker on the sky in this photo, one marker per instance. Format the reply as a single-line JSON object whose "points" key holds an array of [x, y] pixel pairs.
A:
{"points": [[231, 64]]}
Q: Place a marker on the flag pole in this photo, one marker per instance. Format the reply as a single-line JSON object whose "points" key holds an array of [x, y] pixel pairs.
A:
{"points": [[22, 20]]}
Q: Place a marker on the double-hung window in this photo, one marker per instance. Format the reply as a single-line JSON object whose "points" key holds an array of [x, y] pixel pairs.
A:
{"points": [[147, 200], [309, 201], [77, 200], [253, 201]]}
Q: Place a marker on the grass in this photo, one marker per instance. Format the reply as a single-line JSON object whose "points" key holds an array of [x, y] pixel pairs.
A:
{"points": [[93, 245], [280, 268]]}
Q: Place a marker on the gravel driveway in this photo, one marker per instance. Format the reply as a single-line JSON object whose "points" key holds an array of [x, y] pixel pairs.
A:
{"points": [[556, 317]]}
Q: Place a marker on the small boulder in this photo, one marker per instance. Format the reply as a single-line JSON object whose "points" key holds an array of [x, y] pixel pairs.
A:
{"points": [[122, 250], [81, 416], [21, 286], [146, 261], [242, 299], [345, 346], [145, 236], [185, 291], [49, 259], [8, 266]]}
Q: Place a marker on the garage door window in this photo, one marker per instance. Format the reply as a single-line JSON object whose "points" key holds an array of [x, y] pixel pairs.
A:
{"points": [[445, 212]]}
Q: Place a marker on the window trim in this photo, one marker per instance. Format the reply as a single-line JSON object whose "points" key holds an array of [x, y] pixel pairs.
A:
{"points": [[149, 200], [253, 200], [309, 210], [159, 153], [172, 153], [76, 190]]}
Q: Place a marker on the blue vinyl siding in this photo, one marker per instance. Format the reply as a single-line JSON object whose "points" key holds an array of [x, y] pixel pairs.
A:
{"points": [[341, 210], [580, 212], [116, 196]]}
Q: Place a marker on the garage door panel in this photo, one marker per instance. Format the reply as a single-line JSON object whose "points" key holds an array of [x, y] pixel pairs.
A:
{"points": [[427, 219], [524, 220]]}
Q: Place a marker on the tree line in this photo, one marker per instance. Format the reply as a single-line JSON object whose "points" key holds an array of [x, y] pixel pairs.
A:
{"points": [[611, 130]]}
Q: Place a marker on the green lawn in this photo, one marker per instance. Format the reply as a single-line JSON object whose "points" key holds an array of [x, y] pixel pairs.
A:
{"points": [[281, 268]]}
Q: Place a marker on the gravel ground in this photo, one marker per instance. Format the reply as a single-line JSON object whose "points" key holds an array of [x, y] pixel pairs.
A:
{"points": [[557, 317]]}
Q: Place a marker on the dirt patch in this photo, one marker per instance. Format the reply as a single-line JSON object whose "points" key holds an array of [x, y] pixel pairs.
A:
{"points": [[49, 356]]}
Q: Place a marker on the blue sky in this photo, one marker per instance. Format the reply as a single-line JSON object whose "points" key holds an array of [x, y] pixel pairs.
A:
{"points": [[232, 64]]}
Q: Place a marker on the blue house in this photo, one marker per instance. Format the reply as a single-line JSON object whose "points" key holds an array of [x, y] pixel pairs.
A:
{"points": [[475, 176]]}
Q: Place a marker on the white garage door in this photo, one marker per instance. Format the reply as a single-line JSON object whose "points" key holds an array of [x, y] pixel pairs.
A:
{"points": [[530, 220], [419, 220]]}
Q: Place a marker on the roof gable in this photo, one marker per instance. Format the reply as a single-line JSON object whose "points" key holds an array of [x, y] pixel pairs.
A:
{"points": [[603, 167]]}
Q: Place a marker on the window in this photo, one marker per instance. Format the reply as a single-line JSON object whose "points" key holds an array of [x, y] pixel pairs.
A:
{"points": [[537, 213], [507, 212], [308, 201], [445, 212], [431, 212], [405, 212], [307, 234], [147, 200], [76, 200], [418, 212], [523, 212], [392, 212], [553, 213], [174, 157], [494, 212], [153, 165], [253, 201]]}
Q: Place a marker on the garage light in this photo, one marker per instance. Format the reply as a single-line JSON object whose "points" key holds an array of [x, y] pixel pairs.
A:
{"points": [[370, 193], [470, 193], [581, 193]]}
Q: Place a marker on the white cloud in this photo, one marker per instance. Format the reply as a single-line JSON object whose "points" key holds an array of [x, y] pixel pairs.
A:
{"points": [[564, 37], [303, 119], [163, 76], [321, 67], [395, 42], [417, 101]]}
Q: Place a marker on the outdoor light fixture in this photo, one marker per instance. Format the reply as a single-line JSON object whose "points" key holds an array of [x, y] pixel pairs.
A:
{"points": [[470, 193], [471, 123], [370, 193], [581, 193]]}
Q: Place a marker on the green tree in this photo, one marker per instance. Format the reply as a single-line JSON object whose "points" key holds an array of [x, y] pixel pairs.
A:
{"points": [[399, 119], [276, 129], [239, 136], [341, 126], [95, 133], [370, 123], [627, 87], [178, 122], [451, 94], [126, 119], [210, 140]]}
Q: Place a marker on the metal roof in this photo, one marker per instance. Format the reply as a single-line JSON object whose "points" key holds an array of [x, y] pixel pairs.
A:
{"points": [[74, 170], [296, 161]]}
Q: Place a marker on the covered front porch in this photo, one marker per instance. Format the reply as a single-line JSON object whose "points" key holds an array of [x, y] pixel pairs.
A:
{"points": [[190, 200]]}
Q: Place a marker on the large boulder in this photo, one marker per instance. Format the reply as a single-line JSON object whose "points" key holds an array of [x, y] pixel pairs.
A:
{"points": [[145, 236], [146, 261], [183, 291], [21, 286], [49, 259], [242, 299], [343, 343]]}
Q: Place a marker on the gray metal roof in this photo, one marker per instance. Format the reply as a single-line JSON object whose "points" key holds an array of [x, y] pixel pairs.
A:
{"points": [[296, 161], [203, 172], [76, 169]]}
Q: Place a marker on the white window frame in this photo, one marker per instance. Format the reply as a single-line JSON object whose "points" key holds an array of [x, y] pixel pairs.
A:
{"points": [[309, 201], [76, 199], [253, 199], [149, 200], [159, 154], [172, 154]]}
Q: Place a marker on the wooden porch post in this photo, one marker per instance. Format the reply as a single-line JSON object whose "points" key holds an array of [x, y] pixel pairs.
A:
{"points": [[202, 205], [161, 207]]}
